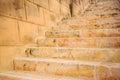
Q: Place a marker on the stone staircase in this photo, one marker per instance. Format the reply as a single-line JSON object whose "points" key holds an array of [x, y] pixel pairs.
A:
{"points": [[85, 47]]}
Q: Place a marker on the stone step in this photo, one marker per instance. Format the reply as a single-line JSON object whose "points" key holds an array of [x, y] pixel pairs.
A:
{"points": [[24, 75], [86, 54], [87, 26], [84, 33], [92, 42], [73, 68]]}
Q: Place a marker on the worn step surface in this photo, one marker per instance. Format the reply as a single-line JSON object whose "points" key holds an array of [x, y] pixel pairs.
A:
{"points": [[23, 75], [93, 42], [84, 33], [87, 26], [86, 54], [73, 68]]}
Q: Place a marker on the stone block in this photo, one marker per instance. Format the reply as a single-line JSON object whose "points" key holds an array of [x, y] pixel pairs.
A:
{"points": [[17, 9], [4, 7], [107, 73], [64, 10], [80, 42], [8, 31], [42, 3], [34, 13], [49, 17], [28, 32], [62, 67], [87, 54], [54, 6], [7, 54]]}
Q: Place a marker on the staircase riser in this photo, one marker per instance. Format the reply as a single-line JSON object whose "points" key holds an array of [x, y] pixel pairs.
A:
{"points": [[3, 77], [84, 33], [86, 27], [81, 43], [55, 68], [110, 55], [65, 69]]}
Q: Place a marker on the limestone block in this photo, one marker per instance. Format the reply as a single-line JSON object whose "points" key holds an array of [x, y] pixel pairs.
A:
{"points": [[112, 42], [64, 68], [4, 7], [42, 3], [49, 17], [64, 10], [86, 54], [8, 31], [83, 33], [42, 30], [34, 13], [104, 73], [65, 3], [28, 32], [7, 54], [17, 9], [54, 6]]}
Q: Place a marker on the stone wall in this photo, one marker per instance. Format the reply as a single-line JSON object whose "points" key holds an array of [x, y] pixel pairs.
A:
{"points": [[23, 20]]}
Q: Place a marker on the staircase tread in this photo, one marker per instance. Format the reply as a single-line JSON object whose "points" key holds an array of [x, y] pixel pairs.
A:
{"points": [[76, 48], [25, 75], [66, 61]]}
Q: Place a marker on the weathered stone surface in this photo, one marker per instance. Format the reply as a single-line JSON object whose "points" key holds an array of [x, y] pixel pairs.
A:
{"points": [[4, 7], [34, 13], [105, 73], [62, 67], [86, 54], [22, 75], [65, 11], [42, 3], [8, 31], [6, 58], [83, 33], [28, 32], [17, 9], [54, 6], [49, 17], [105, 42]]}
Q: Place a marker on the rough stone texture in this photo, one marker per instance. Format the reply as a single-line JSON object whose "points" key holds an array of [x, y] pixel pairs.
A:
{"points": [[54, 6], [25, 32], [84, 33], [87, 54], [65, 68], [49, 17], [19, 75], [4, 7], [17, 9], [42, 3], [6, 60], [8, 31], [90, 50], [94, 42]]}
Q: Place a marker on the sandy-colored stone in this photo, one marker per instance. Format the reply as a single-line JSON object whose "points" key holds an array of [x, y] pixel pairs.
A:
{"points": [[104, 73], [49, 17], [64, 68], [17, 9], [42, 3], [86, 54], [8, 31], [83, 33], [28, 32], [108, 42], [23, 75], [52, 4], [4, 7], [6, 58], [34, 13]]}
